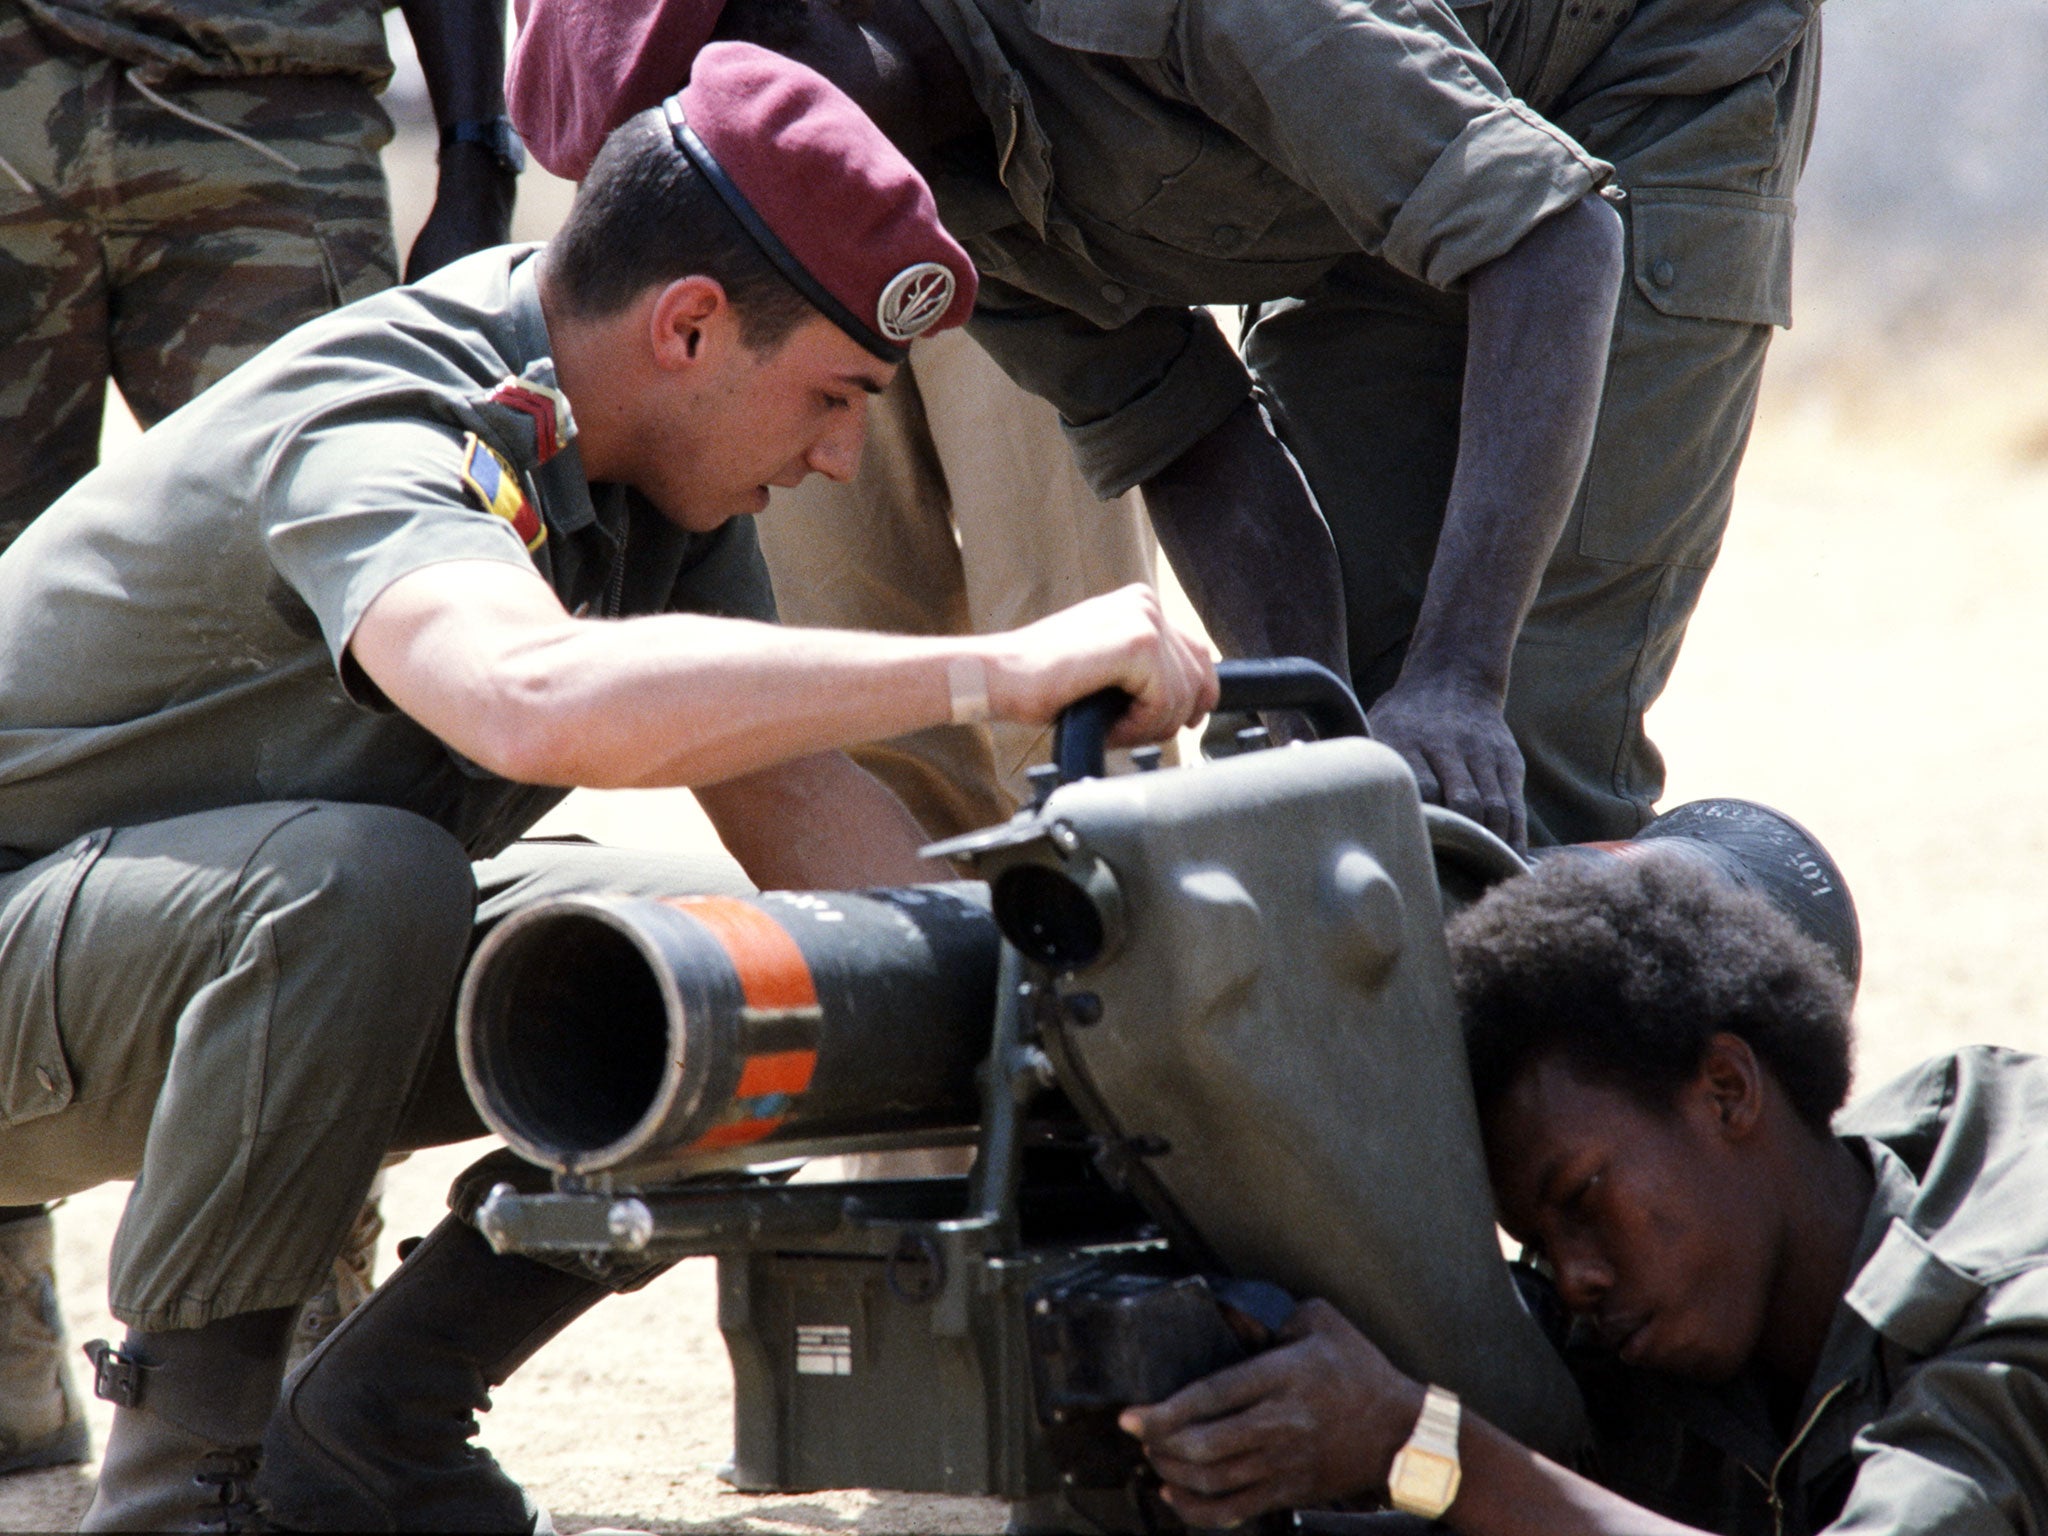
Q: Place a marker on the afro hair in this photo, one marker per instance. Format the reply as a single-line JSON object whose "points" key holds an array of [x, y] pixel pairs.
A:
{"points": [[1627, 966]]}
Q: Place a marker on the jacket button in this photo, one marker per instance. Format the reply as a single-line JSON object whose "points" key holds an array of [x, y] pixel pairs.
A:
{"points": [[1663, 274], [1113, 292], [1227, 237]]}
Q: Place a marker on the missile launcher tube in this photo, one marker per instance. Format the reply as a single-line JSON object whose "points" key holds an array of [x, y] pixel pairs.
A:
{"points": [[600, 1034]]}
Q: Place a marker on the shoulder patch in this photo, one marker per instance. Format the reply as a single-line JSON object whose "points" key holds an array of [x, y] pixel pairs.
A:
{"points": [[495, 488], [542, 404]]}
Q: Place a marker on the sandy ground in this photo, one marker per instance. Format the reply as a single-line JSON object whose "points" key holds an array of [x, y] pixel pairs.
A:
{"points": [[1868, 657]]}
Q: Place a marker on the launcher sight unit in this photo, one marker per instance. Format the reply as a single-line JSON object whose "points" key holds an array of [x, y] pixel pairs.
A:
{"points": [[1196, 1025]]}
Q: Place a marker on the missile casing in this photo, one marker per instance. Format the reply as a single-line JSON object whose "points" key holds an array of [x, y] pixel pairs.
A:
{"points": [[663, 1036]]}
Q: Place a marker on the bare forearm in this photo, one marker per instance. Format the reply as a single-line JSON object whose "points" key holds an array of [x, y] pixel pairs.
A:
{"points": [[1249, 546], [820, 823], [461, 44], [684, 700], [1509, 1490], [480, 653], [1540, 319]]}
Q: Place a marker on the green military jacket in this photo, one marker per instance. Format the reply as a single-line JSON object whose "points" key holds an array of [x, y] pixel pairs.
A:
{"points": [[1149, 156], [1929, 1410], [179, 621], [208, 40]]}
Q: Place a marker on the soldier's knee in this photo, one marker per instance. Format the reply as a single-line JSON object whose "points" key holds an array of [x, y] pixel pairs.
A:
{"points": [[395, 884]]}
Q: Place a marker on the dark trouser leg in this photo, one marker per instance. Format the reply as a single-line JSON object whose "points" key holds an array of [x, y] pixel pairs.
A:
{"points": [[1362, 377], [54, 357], [218, 250], [233, 1009]]}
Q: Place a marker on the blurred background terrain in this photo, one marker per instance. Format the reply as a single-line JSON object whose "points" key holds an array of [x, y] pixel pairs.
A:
{"points": [[1869, 657]]}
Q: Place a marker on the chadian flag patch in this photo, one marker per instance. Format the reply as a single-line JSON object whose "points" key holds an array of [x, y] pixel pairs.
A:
{"points": [[497, 490]]}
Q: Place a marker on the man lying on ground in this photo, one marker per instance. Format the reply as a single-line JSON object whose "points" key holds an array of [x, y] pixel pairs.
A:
{"points": [[1786, 1320]]}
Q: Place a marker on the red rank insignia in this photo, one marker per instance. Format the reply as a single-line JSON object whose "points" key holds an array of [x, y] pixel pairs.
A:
{"points": [[545, 406], [497, 490]]}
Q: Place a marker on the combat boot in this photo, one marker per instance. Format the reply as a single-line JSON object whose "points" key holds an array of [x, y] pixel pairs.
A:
{"points": [[42, 1422], [373, 1432], [189, 1409]]}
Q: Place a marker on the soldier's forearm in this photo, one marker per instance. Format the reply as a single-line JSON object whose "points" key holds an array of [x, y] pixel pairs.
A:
{"points": [[461, 45], [1249, 546], [1509, 1490], [1540, 321]]}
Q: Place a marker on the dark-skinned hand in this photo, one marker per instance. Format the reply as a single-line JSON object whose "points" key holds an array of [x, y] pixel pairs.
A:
{"points": [[1461, 751], [1314, 1420], [472, 210]]}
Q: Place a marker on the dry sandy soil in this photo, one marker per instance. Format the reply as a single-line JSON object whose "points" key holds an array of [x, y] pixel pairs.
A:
{"points": [[1868, 657]]}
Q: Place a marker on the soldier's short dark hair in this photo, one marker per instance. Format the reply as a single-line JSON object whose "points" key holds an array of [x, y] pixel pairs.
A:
{"points": [[1626, 967], [645, 217]]}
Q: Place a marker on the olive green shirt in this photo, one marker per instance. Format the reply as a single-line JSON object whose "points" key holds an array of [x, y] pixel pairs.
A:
{"points": [[1929, 1410], [178, 622], [169, 38], [1150, 156]]}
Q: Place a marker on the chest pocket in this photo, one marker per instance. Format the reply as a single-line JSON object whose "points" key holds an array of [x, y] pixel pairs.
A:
{"points": [[1219, 203]]}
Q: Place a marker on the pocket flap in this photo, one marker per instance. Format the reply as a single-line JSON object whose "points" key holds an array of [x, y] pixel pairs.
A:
{"points": [[1136, 29], [1713, 255], [35, 1076]]}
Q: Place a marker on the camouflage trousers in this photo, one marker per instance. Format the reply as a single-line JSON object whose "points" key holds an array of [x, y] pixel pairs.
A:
{"points": [[159, 235]]}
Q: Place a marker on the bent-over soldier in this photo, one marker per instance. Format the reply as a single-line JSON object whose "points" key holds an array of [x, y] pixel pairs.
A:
{"points": [[1399, 194]]}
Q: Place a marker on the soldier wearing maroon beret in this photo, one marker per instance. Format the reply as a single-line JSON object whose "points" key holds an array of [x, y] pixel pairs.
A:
{"points": [[291, 678]]}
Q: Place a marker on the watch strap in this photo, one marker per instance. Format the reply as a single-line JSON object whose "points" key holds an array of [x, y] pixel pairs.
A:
{"points": [[1437, 1428], [494, 133], [1426, 1472]]}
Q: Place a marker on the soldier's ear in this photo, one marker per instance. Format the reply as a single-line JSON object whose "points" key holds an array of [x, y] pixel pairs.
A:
{"points": [[680, 317], [1731, 1085]]}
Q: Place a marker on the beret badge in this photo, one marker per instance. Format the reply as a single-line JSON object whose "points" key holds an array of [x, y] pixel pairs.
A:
{"points": [[913, 301]]}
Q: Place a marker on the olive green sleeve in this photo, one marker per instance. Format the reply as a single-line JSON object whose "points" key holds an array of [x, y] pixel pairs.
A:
{"points": [[1391, 115], [352, 505], [1959, 1449], [1133, 398]]}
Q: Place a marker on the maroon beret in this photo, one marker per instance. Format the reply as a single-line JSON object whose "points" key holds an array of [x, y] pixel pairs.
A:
{"points": [[582, 67], [830, 201]]}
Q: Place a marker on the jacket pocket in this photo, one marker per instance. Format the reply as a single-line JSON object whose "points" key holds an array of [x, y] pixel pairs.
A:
{"points": [[1710, 255], [35, 1074], [1710, 272]]}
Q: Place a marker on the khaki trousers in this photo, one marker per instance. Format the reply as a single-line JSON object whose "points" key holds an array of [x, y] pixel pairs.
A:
{"points": [[968, 517], [244, 1011]]}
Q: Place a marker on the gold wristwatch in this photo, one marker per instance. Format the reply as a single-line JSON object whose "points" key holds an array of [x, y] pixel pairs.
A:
{"points": [[1424, 1478]]}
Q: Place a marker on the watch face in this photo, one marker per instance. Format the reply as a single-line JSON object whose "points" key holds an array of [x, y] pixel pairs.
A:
{"points": [[1422, 1482]]}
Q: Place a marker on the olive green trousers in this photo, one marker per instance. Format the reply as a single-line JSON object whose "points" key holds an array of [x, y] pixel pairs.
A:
{"points": [[243, 1011]]}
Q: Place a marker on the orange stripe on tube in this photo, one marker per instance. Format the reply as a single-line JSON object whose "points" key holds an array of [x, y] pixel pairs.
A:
{"points": [[736, 1133], [771, 968], [776, 1072]]}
